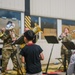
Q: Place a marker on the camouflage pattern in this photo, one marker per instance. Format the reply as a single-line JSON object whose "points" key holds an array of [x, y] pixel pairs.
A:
{"points": [[65, 53], [7, 51]]}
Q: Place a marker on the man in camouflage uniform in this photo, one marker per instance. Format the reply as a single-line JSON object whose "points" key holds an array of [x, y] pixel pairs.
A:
{"points": [[7, 50], [65, 53]]}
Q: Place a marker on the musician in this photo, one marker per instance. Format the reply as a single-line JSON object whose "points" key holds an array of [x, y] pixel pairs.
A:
{"points": [[8, 37], [65, 54]]}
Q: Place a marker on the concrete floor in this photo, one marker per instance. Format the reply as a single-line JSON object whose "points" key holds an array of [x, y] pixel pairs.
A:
{"points": [[52, 69]]}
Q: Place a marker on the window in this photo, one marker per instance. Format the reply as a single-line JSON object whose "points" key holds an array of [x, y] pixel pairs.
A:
{"points": [[71, 25], [13, 16], [49, 27], [34, 21]]}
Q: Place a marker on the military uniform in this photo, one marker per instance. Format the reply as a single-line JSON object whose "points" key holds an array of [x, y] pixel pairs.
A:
{"points": [[65, 53], [8, 49]]}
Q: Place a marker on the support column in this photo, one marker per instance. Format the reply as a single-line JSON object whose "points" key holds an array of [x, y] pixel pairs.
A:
{"points": [[22, 23], [27, 16], [59, 27], [40, 27]]}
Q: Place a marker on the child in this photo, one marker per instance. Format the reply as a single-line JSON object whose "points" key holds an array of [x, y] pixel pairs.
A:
{"points": [[31, 54], [71, 67]]}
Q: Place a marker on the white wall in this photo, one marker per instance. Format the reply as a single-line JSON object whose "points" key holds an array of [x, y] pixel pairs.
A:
{"points": [[47, 50], [17, 5], [63, 9]]}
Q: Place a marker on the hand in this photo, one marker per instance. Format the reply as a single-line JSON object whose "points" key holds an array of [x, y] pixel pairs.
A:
{"points": [[3, 29], [63, 35]]}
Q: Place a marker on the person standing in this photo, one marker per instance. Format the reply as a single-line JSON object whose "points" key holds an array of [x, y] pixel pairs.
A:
{"points": [[71, 67], [65, 53], [32, 54], [7, 50]]}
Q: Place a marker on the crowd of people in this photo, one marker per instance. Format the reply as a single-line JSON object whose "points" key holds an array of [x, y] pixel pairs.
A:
{"points": [[31, 53]]}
